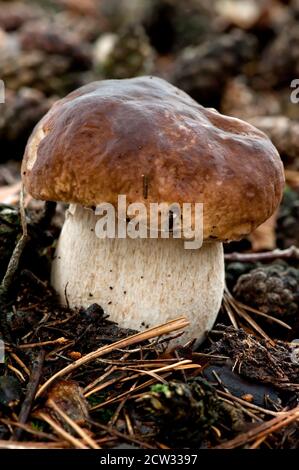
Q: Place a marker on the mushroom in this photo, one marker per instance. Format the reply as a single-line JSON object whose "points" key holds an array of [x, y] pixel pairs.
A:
{"points": [[110, 137]]}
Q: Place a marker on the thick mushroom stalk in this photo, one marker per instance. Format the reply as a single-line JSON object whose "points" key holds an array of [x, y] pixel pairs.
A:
{"points": [[139, 283]]}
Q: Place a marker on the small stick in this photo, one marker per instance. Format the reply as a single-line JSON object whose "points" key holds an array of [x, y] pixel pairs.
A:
{"points": [[20, 363], [126, 394], [258, 442], [31, 391], [29, 429], [121, 405], [17, 372], [262, 430], [31, 445], [61, 340], [108, 371], [19, 248], [125, 437], [102, 386], [248, 404], [88, 440], [291, 252], [61, 432]]}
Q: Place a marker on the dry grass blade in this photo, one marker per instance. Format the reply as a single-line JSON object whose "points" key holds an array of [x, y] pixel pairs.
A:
{"points": [[230, 312], [122, 436], [13, 445], [154, 373], [99, 380], [29, 429], [125, 394], [86, 438], [20, 363], [232, 305], [17, 372], [255, 326], [262, 430], [258, 442], [102, 386], [247, 404], [265, 315], [44, 343], [160, 330], [147, 372], [61, 432]]}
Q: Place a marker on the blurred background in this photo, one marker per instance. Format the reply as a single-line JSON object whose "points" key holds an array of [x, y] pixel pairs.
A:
{"points": [[238, 56]]}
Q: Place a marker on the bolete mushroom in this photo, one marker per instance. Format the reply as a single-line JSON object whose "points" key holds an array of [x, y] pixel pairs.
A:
{"points": [[109, 137]]}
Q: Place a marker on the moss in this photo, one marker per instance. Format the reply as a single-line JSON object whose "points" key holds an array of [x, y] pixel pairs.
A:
{"points": [[184, 412]]}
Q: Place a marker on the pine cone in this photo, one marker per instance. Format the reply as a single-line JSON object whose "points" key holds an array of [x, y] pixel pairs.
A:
{"points": [[126, 55], [287, 225], [183, 412], [204, 70], [236, 269], [173, 25], [272, 289]]}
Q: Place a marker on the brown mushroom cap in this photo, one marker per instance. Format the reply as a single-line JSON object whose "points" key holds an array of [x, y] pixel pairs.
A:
{"points": [[109, 137]]}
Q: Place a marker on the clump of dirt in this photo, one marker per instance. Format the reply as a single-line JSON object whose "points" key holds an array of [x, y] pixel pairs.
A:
{"points": [[260, 360]]}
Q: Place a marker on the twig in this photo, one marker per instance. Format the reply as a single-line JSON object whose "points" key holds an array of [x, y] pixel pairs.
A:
{"points": [[61, 432], [31, 445], [20, 363], [168, 327], [262, 430], [125, 437], [108, 371], [88, 440], [29, 429], [126, 394], [258, 442], [17, 372], [19, 248], [248, 404], [102, 386], [44, 343], [31, 391], [121, 405], [232, 305], [262, 314], [291, 252]]}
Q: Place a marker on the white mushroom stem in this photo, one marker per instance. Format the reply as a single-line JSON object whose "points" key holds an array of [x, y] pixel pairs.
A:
{"points": [[139, 283]]}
